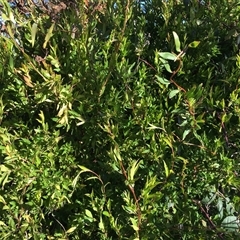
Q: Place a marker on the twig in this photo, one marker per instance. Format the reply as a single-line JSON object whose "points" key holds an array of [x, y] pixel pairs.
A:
{"points": [[208, 218], [114, 54], [134, 196]]}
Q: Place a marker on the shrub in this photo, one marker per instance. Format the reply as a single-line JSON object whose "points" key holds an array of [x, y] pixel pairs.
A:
{"points": [[120, 120]]}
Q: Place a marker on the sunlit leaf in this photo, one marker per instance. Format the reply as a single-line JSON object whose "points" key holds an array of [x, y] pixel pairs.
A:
{"points": [[167, 55], [193, 44], [166, 169], [185, 133], [33, 33], [88, 213], [71, 230], [134, 169], [134, 224], [177, 42], [173, 93], [49, 35]]}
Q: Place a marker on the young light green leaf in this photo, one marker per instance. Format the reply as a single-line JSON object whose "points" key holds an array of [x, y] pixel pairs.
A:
{"points": [[11, 17], [2, 200], [134, 224], [177, 42], [167, 55], [166, 169], [2, 223], [84, 169], [101, 224], [185, 133], [33, 33], [105, 213], [70, 230], [193, 44], [88, 213], [133, 170], [173, 93], [48, 36]]}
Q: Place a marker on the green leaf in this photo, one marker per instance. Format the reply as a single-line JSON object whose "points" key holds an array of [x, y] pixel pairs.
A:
{"points": [[33, 33], [166, 169], [105, 213], [134, 224], [163, 80], [48, 36], [3, 168], [84, 169], [88, 213], [193, 44], [173, 93], [185, 133], [220, 207], [2, 200], [70, 230], [101, 224], [177, 42], [166, 65], [133, 170], [230, 223], [2, 223], [167, 55]]}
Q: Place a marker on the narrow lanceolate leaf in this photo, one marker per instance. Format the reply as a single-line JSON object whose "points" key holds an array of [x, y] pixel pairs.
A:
{"points": [[166, 169], [193, 44], [163, 80], [70, 230], [167, 55], [133, 170], [33, 33], [166, 65], [177, 42], [49, 35], [185, 133], [28, 81]]}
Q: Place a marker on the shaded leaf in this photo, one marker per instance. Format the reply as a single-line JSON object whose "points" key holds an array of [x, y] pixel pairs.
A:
{"points": [[230, 223], [163, 80]]}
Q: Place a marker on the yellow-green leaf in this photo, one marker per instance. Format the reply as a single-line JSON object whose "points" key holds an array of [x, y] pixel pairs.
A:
{"points": [[48, 36], [133, 170], [70, 230], [193, 44], [166, 169], [33, 33], [88, 213], [2, 200]]}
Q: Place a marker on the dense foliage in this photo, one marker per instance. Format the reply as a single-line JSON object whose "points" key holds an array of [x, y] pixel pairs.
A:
{"points": [[120, 119]]}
